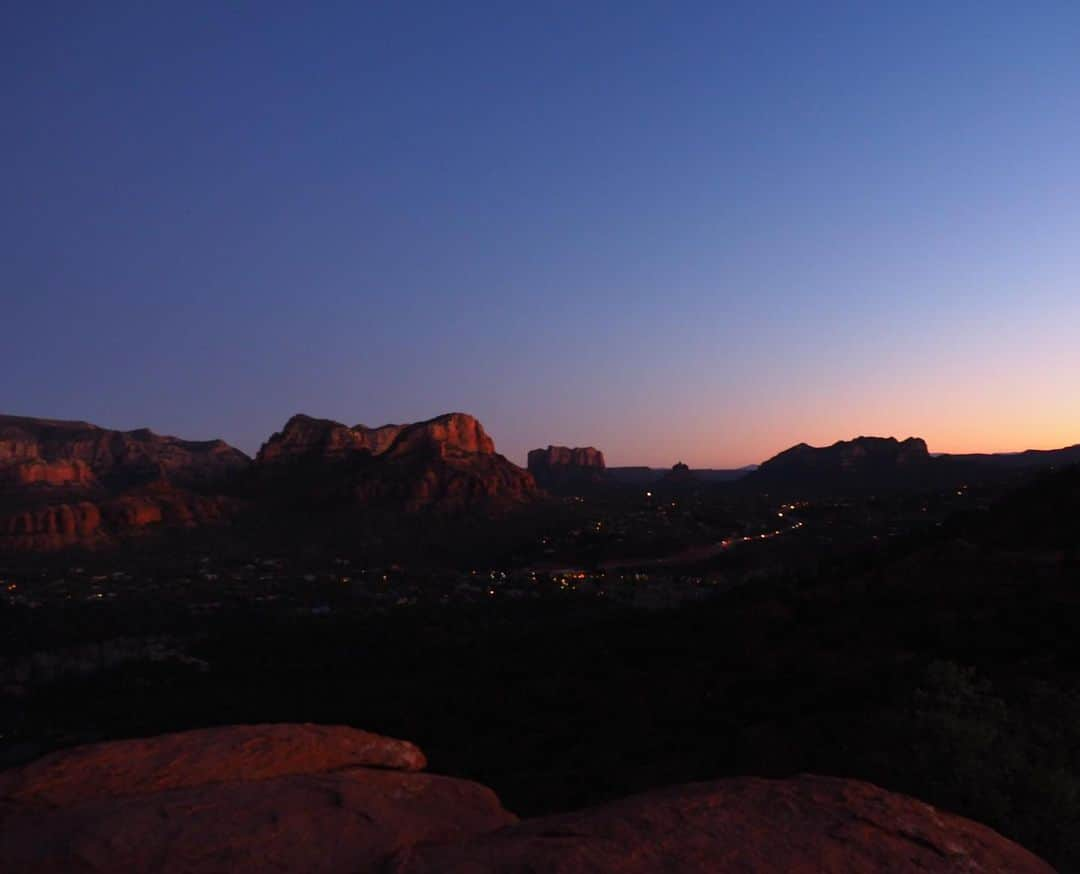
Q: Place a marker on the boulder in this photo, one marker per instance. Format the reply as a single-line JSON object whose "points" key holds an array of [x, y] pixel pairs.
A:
{"points": [[239, 799], [804, 825], [196, 758], [311, 798]]}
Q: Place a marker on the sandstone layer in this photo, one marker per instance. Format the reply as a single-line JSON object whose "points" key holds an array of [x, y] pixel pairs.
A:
{"points": [[58, 452]]}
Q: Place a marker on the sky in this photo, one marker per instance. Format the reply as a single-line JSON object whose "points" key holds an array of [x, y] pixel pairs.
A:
{"points": [[697, 231]]}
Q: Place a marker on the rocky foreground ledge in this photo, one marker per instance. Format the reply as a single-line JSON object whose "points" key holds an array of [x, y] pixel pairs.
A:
{"points": [[311, 798]]}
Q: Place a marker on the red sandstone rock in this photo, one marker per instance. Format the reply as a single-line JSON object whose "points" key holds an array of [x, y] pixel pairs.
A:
{"points": [[61, 472], [450, 434], [197, 758], [88, 525], [130, 456], [68, 484], [51, 527], [346, 821], [297, 798], [806, 825], [304, 436], [72, 484], [445, 483], [564, 456], [237, 798], [447, 463], [136, 512], [563, 466]]}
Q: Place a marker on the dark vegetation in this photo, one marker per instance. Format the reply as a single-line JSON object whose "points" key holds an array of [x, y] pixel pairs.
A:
{"points": [[947, 668]]}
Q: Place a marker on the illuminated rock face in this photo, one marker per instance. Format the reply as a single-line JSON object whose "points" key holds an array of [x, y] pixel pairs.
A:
{"points": [[333, 799], [453, 434], [72, 484], [87, 524], [559, 466], [307, 437], [65, 453], [52, 527], [447, 464], [61, 472]]}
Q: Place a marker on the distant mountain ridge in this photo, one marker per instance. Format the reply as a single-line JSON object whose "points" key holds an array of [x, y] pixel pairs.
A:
{"points": [[1027, 459], [646, 476], [885, 462], [72, 483], [846, 456]]}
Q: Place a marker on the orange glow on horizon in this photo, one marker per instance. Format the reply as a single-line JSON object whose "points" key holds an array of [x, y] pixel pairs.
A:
{"points": [[758, 445]]}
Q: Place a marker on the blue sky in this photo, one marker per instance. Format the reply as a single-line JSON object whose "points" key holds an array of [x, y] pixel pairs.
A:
{"points": [[702, 231]]}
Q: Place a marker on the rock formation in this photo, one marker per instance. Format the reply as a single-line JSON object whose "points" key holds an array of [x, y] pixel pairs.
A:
{"points": [[454, 434], [304, 436], [195, 758], [49, 528], [65, 452], [679, 478], [72, 484], [334, 799], [1027, 460], [862, 463], [88, 524], [850, 455], [65, 484], [242, 798], [447, 463], [562, 467], [872, 463], [61, 472], [805, 825]]}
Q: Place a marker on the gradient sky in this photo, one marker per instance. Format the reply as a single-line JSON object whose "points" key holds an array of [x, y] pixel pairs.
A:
{"points": [[700, 231]]}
